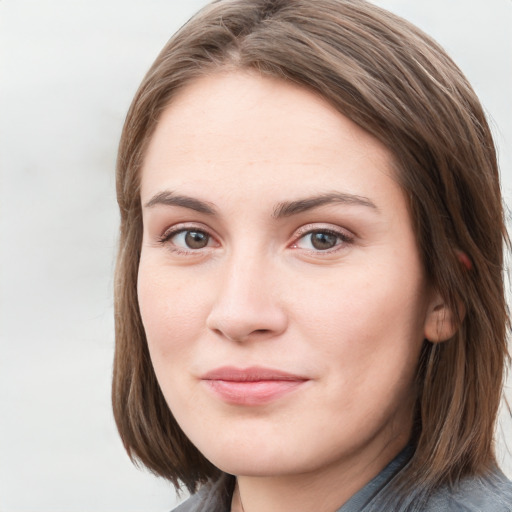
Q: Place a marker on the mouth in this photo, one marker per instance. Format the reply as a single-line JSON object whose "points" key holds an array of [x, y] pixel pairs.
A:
{"points": [[251, 386]]}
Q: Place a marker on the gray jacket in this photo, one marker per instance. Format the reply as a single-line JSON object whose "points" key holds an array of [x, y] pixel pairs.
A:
{"points": [[490, 493]]}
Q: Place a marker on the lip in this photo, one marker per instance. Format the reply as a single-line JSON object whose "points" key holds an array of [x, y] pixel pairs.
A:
{"points": [[251, 386]]}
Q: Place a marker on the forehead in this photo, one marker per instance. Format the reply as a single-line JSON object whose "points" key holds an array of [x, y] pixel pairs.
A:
{"points": [[243, 131]]}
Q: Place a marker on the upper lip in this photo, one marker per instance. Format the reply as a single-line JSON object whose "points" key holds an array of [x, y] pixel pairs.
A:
{"points": [[251, 374]]}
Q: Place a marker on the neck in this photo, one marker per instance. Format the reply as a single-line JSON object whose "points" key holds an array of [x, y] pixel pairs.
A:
{"points": [[322, 491]]}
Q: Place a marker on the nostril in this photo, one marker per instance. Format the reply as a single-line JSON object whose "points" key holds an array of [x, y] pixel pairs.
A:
{"points": [[243, 337], [246, 321]]}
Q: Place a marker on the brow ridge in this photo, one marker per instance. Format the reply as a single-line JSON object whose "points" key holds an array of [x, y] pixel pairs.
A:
{"points": [[289, 208], [168, 198]]}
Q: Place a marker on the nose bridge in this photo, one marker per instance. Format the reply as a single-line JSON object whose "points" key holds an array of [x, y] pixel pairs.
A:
{"points": [[246, 269], [247, 304]]}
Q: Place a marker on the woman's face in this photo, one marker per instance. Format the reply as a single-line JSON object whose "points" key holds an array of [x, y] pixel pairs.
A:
{"points": [[280, 285]]}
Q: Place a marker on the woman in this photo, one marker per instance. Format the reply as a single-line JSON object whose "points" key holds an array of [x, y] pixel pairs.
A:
{"points": [[310, 304]]}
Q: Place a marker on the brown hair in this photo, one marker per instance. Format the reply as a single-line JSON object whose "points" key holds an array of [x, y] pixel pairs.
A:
{"points": [[400, 86]]}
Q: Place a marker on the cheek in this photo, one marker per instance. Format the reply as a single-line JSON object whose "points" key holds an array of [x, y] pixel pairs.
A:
{"points": [[172, 311], [172, 316], [366, 320]]}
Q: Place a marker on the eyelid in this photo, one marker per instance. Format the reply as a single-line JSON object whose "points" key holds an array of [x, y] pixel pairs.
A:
{"points": [[321, 226], [184, 226]]}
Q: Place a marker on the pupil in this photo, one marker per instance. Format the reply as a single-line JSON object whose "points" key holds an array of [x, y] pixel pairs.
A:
{"points": [[196, 239], [323, 241]]}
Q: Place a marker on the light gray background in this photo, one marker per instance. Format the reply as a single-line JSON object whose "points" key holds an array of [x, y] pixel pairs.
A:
{"points": [[69, 69]]}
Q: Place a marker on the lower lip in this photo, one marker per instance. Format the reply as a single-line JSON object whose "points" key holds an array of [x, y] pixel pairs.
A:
{"points": [[252, 393]]}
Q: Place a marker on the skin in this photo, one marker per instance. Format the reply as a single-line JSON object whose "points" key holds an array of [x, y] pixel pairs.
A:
{"points": [[350, 318]]}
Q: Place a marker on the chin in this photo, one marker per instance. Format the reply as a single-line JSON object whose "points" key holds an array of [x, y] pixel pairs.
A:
{"points": [[265, 459], [242, 465]]}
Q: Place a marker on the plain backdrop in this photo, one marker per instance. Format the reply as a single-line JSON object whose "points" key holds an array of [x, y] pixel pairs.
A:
{"points": [[68, 71]]}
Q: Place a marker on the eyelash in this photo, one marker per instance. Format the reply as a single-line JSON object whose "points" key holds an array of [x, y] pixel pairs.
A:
{"points": [[166, 238], [343, 239]]}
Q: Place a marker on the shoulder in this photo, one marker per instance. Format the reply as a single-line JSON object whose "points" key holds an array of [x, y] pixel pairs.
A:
{"points": [[201, 501], [192, 504], [211, 497], [488, 493]]}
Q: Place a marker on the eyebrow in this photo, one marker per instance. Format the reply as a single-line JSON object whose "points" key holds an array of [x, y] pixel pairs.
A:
{"points": [[283, 209], [289, 208], [169, 199]]}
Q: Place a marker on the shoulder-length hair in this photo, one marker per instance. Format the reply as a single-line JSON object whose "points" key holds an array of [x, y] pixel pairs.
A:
{"points": [[400, 86]]}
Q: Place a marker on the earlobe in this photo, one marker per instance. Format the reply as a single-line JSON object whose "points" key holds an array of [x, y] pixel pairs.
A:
{"points": [[441, 323]]}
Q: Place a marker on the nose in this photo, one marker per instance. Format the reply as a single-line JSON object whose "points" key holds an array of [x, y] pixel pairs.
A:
{"points": [[247, 305]]}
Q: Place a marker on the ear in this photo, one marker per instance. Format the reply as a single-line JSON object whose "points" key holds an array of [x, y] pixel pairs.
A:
{"points": [[441, 323]]}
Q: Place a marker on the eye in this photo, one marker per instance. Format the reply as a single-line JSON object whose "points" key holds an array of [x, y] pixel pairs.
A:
{"points": [[191, 239], [187, 239], [321, 240]]}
